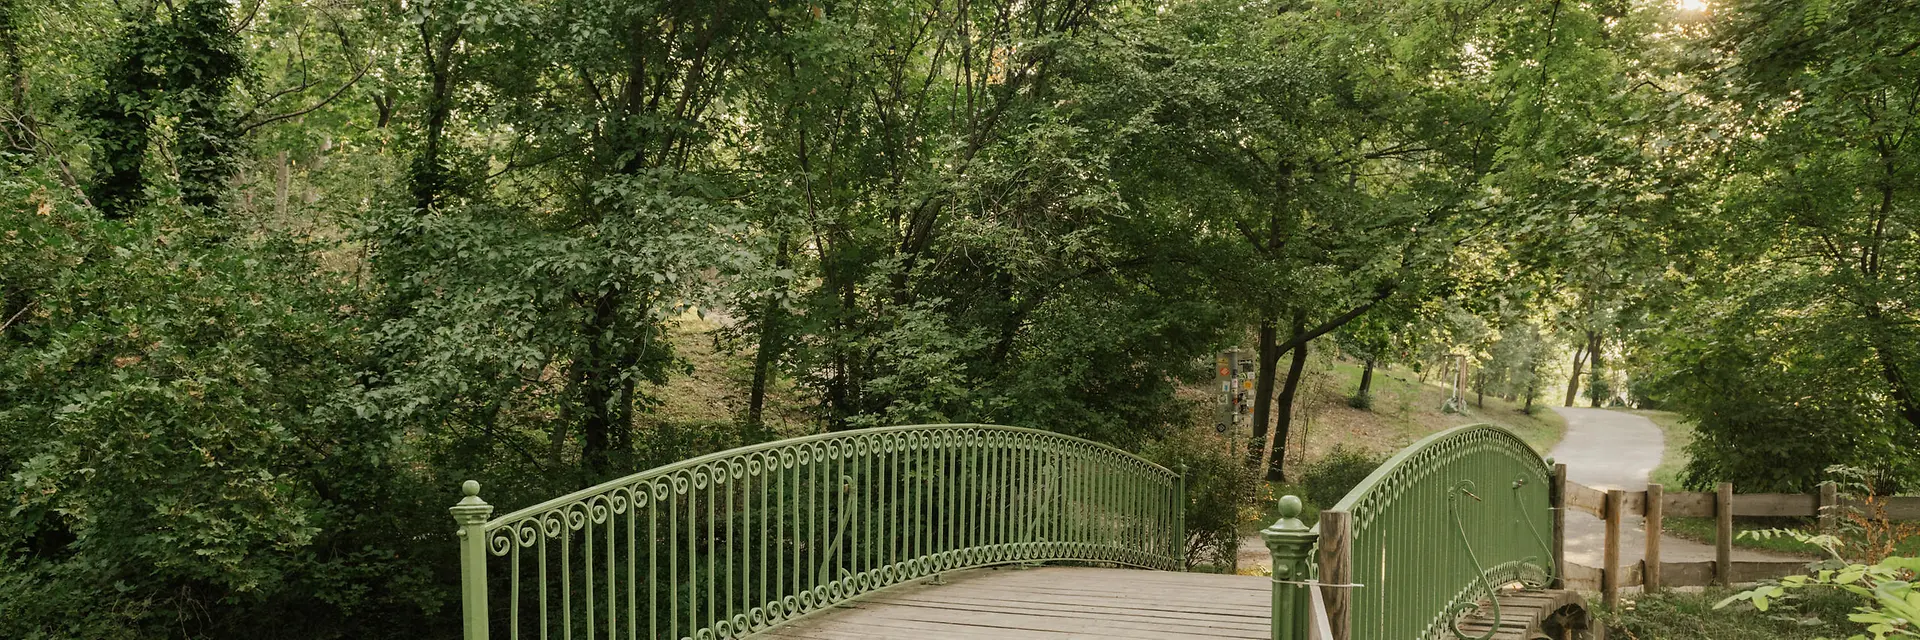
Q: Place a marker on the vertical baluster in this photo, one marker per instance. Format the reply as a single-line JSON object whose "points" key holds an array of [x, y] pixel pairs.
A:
{"points": [[892, 521], [966, 497], [673, 561], [869, 489], [1105, 526], [979, 503], [733, 579], [633, 573], [713, 575], [766, 487], [989, 493], [613, 587], [586, 569], [566, 578], [813, 538], [780, 532], [544, 583], [1010, 494], [1070, 472], [947, 516], [653, 564], [513, 611], [692, 535], [800, 545]]}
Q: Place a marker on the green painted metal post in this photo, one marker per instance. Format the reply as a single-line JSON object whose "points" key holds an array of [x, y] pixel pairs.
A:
{"points": [[1291, 543], [471, 514], [1180, 518]]}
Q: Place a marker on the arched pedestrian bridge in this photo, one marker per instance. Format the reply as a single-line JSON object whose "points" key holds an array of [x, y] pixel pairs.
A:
{"points": [[982, 531]]}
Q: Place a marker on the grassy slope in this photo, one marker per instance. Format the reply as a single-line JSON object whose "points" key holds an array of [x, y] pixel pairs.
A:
{"points": [[716, 388], [1405, 410], [1679, 434]]}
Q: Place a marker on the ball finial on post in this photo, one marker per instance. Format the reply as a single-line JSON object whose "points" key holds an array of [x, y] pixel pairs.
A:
{"points": [[1290, 506], [470, 488]]}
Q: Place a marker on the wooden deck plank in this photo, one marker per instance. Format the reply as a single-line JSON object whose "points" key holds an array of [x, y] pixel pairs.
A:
{"points": [[1051, 603], [1080, 607]]}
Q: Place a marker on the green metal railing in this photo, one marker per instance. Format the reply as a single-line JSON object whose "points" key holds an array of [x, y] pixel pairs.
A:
{"points": [[732, 543], [1434, 532]]}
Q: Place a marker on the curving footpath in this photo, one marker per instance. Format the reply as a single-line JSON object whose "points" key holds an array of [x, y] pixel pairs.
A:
{"points": [[1607, 449]]}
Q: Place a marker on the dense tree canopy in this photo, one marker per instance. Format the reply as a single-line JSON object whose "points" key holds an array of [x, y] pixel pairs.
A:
{"points": [[276, 275]]}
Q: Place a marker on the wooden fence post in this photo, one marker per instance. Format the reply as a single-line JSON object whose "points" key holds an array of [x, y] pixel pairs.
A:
{"points": [[1656, 507], [1336, 568], [1558, 496], [1610, 559], [1828, 507], [1723, 542]]}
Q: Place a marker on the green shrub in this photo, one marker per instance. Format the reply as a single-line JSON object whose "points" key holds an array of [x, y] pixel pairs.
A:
{"points": [[1692, 616], [1361, 401], [1328, 479], [1220, 492]]}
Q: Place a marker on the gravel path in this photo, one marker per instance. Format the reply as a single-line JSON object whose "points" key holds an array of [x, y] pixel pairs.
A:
{"points": [[1607, 449]]}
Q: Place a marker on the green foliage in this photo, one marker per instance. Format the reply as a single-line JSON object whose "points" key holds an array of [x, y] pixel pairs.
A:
{"points": [[1329, 478], [1777, 396], [171, 423], [1793, 348], [275, 275], [1675, 615], [1219, 492], [1884, 596]]}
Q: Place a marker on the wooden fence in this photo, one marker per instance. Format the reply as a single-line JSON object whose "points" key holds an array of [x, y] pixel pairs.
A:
{"points": [[1656, 504]]}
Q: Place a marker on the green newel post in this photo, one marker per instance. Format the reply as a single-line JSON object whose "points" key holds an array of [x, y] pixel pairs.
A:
{"points": [[471, 514], [1291, 543]]}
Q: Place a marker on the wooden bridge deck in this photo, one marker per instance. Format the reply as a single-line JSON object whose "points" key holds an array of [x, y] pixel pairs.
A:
{"points": [[1052, 603]]}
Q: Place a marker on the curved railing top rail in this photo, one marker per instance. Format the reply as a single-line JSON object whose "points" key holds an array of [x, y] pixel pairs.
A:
{"points": [[690, 463], [1360, 496]]}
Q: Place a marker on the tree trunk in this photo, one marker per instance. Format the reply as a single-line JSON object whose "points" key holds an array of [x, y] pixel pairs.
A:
{"points": [[124, 119], [1366, 378], [600, 387], [769, 347], [1480, 388], [207, 136], [429, 178], [1283, 418], [1593, 369], [1531, 392], [1573, 381], [1263, 389]]}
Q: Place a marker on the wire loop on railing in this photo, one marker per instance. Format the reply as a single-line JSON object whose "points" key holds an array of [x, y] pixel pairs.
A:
{"points": [[1430, 563]]}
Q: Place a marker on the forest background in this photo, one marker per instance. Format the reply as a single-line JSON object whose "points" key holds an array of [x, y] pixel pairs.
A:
{"points": [[276, 275]]}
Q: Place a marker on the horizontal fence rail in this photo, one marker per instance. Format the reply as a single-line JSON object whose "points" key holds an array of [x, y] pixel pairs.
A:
{"points": [[735, 542], [1827, 507], [1438, 528]]}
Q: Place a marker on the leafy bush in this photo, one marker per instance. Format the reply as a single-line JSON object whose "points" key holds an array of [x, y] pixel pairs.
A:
{"points": [[1361, 401], [1328, 479], [1675, 615], [1219, 491], [1861, 565], [1777, 397]]}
